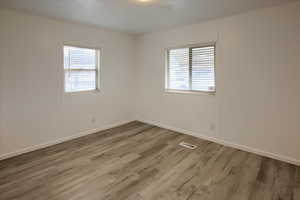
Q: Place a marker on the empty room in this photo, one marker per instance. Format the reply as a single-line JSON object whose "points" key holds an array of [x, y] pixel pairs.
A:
{"points": [[149, 100]]}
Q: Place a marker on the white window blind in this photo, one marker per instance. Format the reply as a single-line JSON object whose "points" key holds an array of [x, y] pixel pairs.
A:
{"points": [[81, 69], [191, 69]]}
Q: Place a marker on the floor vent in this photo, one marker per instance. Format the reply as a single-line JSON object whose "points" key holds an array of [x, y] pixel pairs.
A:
{"points": [[187, 145]]}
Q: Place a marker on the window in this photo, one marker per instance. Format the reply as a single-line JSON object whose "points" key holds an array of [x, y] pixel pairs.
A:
{"points": [[81, 67], [191, 69]]}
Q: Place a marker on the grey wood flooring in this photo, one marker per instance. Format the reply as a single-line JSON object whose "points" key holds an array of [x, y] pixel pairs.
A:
{"points": [[138, 161]]}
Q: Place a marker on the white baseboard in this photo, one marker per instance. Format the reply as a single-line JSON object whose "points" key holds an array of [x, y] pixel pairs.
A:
{"points": [[61, 140], [198, 135], [226, 143]]}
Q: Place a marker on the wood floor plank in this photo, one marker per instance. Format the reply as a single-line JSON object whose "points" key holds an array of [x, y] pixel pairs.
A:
{"points": [[138, 161]]}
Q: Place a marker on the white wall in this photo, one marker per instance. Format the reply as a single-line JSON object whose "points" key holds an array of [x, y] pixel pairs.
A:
{"points": [[33, 107], [257, 104]]}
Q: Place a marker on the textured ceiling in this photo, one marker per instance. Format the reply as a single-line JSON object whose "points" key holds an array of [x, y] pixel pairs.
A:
{"points": [[133, 16]]}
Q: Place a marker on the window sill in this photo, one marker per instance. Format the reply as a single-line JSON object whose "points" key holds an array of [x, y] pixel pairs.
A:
{"points": [[82, 92], [190, 92]]}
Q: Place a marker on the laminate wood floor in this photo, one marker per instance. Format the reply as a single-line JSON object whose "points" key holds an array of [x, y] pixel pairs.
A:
{"points": [[138, 161]]}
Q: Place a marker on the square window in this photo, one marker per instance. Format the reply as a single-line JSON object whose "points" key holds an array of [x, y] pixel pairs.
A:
{"points": [[81, 66]]}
